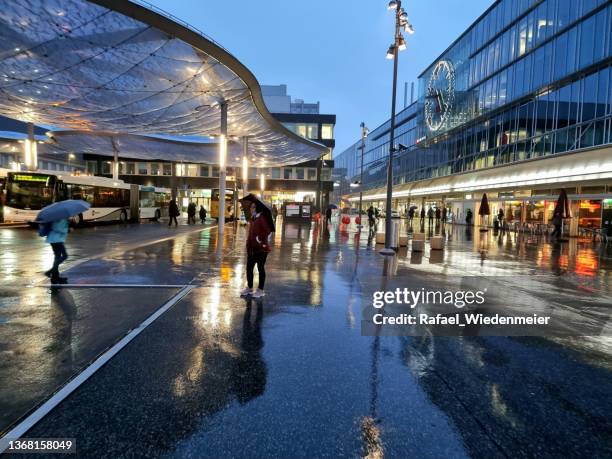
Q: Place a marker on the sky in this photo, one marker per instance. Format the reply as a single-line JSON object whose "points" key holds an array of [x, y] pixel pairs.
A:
{"points": [[331, 51]]}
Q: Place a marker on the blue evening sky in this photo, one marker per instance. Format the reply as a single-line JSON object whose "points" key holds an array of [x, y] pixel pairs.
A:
{"points": [[331, 51]]}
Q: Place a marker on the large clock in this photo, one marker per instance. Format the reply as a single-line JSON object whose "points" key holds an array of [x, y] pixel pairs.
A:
{"points": [[440, 95]]}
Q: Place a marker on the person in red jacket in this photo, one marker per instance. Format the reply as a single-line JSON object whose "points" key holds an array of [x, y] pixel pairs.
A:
{"points": [[258, 247]]}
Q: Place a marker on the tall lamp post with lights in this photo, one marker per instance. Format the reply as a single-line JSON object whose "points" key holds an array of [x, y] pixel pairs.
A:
{"points": [[399, 44], [364, 134]]}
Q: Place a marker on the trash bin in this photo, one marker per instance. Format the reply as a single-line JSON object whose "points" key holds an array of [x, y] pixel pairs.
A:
{"points": [[395, 230]]}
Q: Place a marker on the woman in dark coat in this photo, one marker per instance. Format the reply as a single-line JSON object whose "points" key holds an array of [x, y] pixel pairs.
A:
{"points": [[173, 212], [258, 247]]}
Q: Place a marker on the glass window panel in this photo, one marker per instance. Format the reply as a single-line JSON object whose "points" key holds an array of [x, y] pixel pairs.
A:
{"points": [[602, 93], [538, 75], [560, 56], [599, 36], [575, 103], [531, 31], [572, 40], [299, 172], [327, 131], [155, 169], [276, 173], [143, 168], [204, 172], [587, 37], [287, 173], [130, 168], [167, 168], [312, 131], [522, 37], [563, 14], [589, 98]]}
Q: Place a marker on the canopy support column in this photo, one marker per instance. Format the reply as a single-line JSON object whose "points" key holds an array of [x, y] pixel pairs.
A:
{"points": [[222, 153], [115, 160], [245, 165], [30, 150]]}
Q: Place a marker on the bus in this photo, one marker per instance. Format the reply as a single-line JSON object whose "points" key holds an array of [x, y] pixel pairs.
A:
{"points": [[229, 204], [26, 193], [154, 202]]}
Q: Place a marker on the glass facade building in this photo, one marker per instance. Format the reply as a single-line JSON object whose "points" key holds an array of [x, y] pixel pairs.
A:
{"points": [[530, 79]]}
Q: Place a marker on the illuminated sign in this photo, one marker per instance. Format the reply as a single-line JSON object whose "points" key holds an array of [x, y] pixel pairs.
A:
{"points": [[30, 178]]}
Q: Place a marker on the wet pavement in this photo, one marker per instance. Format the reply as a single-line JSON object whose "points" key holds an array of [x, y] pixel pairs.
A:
{"points": [[292, 376]]}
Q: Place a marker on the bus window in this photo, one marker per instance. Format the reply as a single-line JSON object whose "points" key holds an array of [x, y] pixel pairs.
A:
{"points": [[111, 197], [84, 192], [29, 191]]}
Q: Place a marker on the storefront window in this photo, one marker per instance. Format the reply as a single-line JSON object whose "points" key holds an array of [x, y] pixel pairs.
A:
{"points": [[130, 168], [167, 169], [203, 171], [312, 174], [590, 214], [288, 173], [143, 169], [155, 170], [276, 174], [299, 173], [535, 212]]}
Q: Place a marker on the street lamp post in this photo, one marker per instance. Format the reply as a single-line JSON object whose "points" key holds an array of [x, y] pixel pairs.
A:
{"points": [[399, 44], [364, 134]]}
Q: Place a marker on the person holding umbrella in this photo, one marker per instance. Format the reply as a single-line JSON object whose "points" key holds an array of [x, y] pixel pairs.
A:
{"points": [[261, 227], [53, 222]]}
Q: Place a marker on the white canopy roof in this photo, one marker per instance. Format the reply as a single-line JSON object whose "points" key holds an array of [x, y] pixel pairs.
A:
{"points": [[116, 66]]}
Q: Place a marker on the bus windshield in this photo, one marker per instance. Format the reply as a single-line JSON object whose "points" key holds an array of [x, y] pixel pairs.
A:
{"points": [[29, 191]]}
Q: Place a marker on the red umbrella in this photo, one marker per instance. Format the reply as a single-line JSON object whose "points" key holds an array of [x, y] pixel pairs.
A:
{"points": [[484, 206], [562, 207]]}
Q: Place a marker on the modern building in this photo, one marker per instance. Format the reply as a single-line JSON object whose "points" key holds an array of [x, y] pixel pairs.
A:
{"points": [[518, 107], [13, 134]]}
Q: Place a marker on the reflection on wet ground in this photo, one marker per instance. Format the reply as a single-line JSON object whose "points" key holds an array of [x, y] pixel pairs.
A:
{"points": [[292, 376]]}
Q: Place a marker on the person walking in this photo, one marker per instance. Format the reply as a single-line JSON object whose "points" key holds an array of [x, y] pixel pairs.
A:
{"points": [[56, 237], [411, 215], [500, 218], [274, 212], [423, 216], [371, 220], [438, 216], [191, 213], [328, 216], [556, 221], [468, 217], [444, 215], [202, 214], [430, 216], [173, 212], [258, 247]]}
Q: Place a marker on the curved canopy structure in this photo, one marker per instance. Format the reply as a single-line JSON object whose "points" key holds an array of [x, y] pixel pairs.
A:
{"points": [[117, 66], [140, 147]]}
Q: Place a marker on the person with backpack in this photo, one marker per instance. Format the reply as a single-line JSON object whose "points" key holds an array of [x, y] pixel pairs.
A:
{"points": [[56, 233]]}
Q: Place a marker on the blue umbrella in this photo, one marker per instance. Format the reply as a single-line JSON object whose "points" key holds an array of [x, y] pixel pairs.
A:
{"points": [[61, 210], [332, 206]]}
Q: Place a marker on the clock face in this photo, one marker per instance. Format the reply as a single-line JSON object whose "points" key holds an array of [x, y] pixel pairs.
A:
{"points": [[440, 95]]}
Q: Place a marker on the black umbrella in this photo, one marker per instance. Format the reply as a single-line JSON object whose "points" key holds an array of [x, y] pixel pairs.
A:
{"points": [[484, 206], [261, 207], [562, 207], [484, 210]]}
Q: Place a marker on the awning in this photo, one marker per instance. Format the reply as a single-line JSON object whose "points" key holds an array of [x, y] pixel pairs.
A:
{"points": [[116, 66]]}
